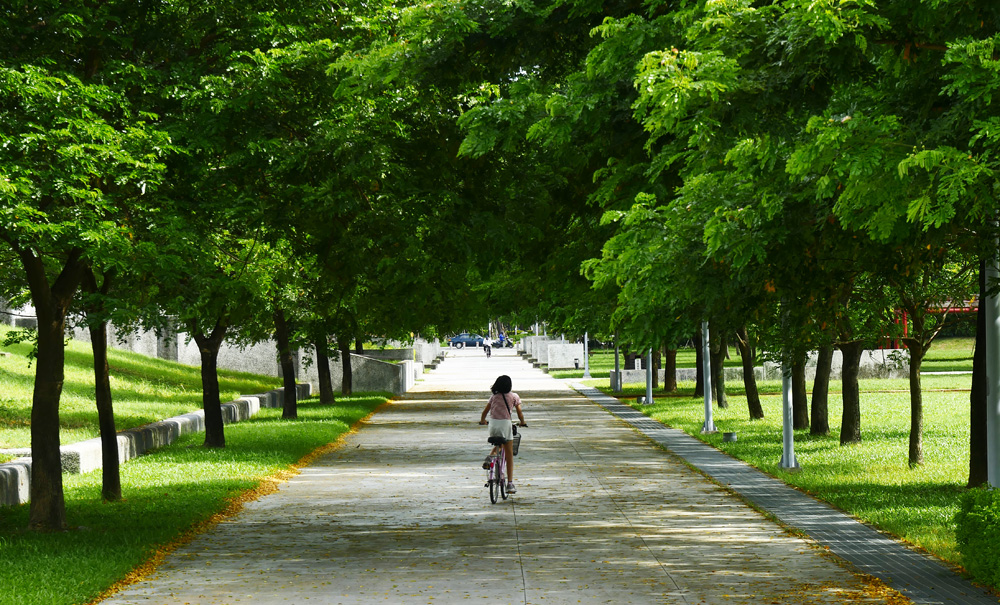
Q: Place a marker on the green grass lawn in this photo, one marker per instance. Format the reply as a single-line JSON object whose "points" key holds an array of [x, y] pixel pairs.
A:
{"points": [[144, 390], [871, 480], [166, 493]]}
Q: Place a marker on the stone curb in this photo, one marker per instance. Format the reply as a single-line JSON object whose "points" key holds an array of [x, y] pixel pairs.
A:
{"points": [[85, 456]]}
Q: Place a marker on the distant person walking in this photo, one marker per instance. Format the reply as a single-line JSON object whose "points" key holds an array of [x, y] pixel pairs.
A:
{"points": [[499, 410], [488, 346]]}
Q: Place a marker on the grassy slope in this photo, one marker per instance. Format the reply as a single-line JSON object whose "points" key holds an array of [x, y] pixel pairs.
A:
{"points": [[144, 389]]}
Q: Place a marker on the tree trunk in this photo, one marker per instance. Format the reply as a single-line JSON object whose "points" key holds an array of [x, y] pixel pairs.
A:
{"points": [[717, 356], [47, 510], [749, 379], [820, 422], [670, 370], [347, 384], [323, 370], [656, 367], [977, 397], [850, 424], [917, 352], [208, 348], [800, 402], [359, 346], [699, 370], [282, 334], [111, 482]]}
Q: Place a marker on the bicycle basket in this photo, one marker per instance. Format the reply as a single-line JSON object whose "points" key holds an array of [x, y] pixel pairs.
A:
{"points": [[517, 442]]}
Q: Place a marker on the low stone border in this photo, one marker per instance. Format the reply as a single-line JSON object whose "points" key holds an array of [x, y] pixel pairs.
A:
{"points": [[85, 456]]}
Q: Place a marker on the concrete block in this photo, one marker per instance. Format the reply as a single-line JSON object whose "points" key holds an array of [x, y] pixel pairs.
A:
{"points": [[15, 482], [303, 390], [26, 322], [542, 351], [565, 355], [266, 400]]}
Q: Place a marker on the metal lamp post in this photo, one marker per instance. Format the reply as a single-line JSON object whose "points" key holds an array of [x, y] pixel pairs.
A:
{"points": [[992, 304], [787, 432], [706, 365], [617, 386]]}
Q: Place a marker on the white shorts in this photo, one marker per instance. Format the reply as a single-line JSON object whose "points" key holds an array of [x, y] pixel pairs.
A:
{"points": [[501, 427]]}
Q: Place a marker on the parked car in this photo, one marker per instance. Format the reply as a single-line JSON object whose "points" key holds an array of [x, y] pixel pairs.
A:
{"points": [[464, 339]]}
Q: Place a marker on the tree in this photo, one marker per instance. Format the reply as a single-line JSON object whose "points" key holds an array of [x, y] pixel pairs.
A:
{"points": [[927, 301], [73, 154], [97, 320]]}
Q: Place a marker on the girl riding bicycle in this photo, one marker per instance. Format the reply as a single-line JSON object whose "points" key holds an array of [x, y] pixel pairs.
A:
{"points": [[499, 409]]}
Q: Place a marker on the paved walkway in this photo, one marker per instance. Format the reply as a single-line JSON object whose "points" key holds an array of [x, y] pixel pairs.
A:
{"points": [[399, 514]]}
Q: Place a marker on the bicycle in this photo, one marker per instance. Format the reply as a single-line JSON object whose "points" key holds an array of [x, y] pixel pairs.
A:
{"points": [[496, 479]]}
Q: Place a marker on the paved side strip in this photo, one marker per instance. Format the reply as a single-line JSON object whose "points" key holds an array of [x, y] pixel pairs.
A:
{"points": [[920, 577]]}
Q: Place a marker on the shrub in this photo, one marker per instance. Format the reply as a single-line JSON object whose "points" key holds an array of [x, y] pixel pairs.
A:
{"points": [[978, 525]]}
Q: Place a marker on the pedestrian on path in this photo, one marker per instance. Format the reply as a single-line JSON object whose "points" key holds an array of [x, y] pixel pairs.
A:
{"points": [[501, 424], [488, 345]]}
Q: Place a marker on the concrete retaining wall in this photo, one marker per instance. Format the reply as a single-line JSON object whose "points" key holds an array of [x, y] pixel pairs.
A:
{"points": [[85, 456], [371, 372]]}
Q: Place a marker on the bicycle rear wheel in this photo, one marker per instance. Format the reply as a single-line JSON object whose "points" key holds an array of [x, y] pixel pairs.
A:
{"points": [[494, 488], [501, 469]]}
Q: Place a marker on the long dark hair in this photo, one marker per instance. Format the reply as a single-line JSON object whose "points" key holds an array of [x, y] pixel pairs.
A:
{"points": [[502, 385]]}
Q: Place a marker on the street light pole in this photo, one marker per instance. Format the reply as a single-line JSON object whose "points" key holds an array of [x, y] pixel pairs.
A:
{"points": [[706, 365], [787, 432], [992, 307], [617, 386], [649, 377]]}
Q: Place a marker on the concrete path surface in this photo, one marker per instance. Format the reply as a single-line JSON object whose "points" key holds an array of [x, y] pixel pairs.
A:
{"points": [[399, 514]]}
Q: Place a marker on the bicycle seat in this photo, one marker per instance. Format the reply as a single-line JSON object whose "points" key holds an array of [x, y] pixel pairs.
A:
{"points": [[497, 440]]}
